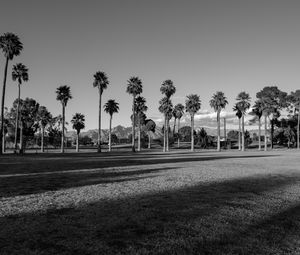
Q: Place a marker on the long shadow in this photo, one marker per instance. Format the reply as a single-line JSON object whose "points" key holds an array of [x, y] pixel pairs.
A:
{"points": [[33, 164], [32, 184], [215, 218]]}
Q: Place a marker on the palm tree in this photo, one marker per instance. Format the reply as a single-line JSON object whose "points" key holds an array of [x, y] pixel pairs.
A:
{"points": [[258, 112], [101, 82], [192, 106], [63, 94], [239, 114], [134, 88], [168, 89], [11, 47], [45, 118], [140, 109], [243, 99], [20, 74], [111, 107], [165, 107], [179, 111], [78, 124], [218, 102]]}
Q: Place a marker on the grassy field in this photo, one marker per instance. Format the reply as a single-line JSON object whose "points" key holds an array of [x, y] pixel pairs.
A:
{"points": [[150, 203]]}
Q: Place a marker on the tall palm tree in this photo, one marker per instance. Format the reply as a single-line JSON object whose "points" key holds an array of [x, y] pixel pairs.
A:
{"points": [[243, 99], [165, 107], [192, 106], [179, 111], [11, 47], [168, 89], [134, 88], [63, 94], [218, 102], [101, 82], [19, 74], [111, 107], [239, 114], [78, 124], [140, 108], [44, 118], [258, 112]]}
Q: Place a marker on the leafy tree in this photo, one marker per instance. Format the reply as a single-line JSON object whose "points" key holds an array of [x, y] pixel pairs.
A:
{"points": [[19, 74], [150, 127], [178, 112], [78, 124], [168, 89], [134, 88], [273, 100], [192, 106], [140, 108], [243, 104], [11, 47], [233, 135], [294, 100], [218, 102], [111, 107], [101, 82], [63, 94], [203, 138], [44, 119], [239, 114], [85, 140], [165, 107], [290, 135]]}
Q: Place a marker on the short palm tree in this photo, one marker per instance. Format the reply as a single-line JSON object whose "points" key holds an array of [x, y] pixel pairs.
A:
{"points": [[140, 108], [44, 118], [101, 82], [218, 102], [11, 47], [63, 94], [166, 108], [168, 89], [111, 107], [258, 112], [192, 106], [78, 124], [19, 74], [239, 114], [178, 112], [243, 99], [134, 88]]}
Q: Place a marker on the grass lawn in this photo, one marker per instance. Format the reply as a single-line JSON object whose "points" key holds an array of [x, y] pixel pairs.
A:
{"points": [[151, 203]]}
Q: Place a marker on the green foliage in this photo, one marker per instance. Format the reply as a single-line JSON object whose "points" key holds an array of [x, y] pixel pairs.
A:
{"points": [[111, 107], [10, 45], [134, 86], [218, 101], [78, 122], [192, 104], [167, 88], [63, 94], [100, 81]]}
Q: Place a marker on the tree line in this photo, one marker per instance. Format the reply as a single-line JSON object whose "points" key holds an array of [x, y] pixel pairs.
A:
{"points": [[29, 116]]}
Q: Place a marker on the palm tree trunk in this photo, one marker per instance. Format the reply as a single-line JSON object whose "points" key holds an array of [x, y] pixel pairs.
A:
{"points": [[178, 127], [109, 135], [164, 146], [63, 130], [99, 123], [149, 140], [17, 118], [174, 126], [219, 132], [42, 139], [167, 135], [243, 133], [239, 134], [298, 130], [192, 132], [266, 143], [2, 107], [225, 139], [77, 142], [139, 133], [272, 132], [259, 134], [133, 125], [21, 138]]}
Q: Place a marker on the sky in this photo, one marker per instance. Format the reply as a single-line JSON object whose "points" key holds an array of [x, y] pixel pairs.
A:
{"points": [[203, 46]]}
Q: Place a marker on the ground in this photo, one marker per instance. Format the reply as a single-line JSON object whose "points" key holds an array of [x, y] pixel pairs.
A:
{"points": [[151, 203]]}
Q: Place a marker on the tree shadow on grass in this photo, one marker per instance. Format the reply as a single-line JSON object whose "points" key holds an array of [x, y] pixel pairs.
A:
{"points": [[32, 184], [229, 217], [54, 162]]}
